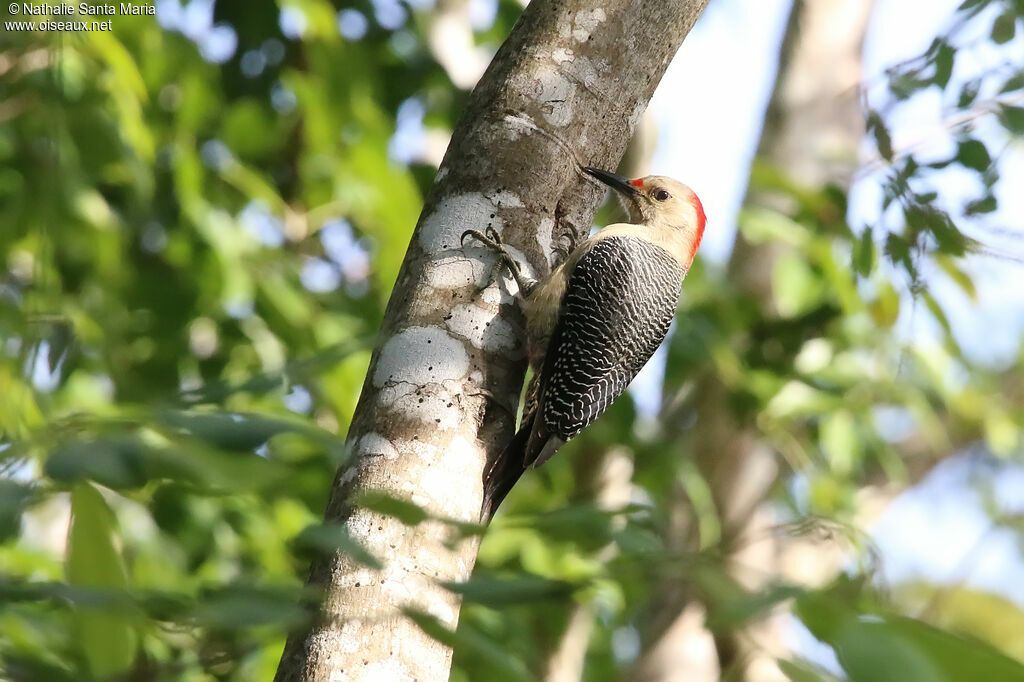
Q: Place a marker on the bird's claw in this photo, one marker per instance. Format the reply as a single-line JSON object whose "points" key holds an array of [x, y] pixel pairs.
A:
{"points": [[489, 237], [477, 235], [492, 240]]}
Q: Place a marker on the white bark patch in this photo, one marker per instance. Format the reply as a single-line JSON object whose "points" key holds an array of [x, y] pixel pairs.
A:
{"points": [[362, 524], [348, 476], [401, 585], [438, 407], [553, 93], [455, 272], [443, 611], [389, 395], [442, 230], [505, 199], [358, 578], [454, 215], [460, 455], [422, 451], [545, 236], [481, 328], [374, 444], [348, 641], [638, 110], [519, 124], [562, 55], [582, 25], [583, 70], [497, 293], [420, 356]]}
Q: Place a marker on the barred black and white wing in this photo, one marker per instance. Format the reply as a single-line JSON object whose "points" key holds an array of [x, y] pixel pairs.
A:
{"points": [[619, 302]]}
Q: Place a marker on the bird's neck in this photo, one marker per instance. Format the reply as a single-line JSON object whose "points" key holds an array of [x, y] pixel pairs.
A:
{"points": [[681, 242]]}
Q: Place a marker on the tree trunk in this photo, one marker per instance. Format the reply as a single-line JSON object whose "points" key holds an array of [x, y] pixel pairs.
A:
{"points": [[440, 398]]}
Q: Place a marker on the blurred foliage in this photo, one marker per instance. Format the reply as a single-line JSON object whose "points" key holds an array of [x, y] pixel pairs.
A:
{"points": [[201, 218]]}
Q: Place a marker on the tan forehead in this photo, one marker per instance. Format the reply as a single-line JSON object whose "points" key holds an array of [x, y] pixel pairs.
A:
{"points": [[673, 186]]}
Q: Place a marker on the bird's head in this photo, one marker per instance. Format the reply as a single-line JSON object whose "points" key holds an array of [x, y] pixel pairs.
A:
{"points": [[658, 201]]}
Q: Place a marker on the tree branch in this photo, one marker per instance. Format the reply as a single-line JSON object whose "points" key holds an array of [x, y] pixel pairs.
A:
{"points": [[440, 398]]}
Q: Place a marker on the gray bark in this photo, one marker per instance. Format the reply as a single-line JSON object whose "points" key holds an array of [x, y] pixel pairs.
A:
{"points": [[440, 397]]}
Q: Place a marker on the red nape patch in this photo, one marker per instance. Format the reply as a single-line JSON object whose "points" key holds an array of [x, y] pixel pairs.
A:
{"points": [[637, 183], [701, 220]]}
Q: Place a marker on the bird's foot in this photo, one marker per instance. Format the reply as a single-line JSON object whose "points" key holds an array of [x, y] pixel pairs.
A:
{"points": [[492, 240], [566, 242]]}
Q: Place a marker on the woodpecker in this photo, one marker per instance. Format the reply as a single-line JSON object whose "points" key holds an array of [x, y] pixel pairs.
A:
{"points": [[595, 321]]}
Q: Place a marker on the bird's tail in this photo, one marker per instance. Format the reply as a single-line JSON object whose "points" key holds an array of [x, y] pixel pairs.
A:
{"points": [[504, 471]]}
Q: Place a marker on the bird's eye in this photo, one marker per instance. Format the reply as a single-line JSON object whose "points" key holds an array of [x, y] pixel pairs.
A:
{"points": [[662, 195]]}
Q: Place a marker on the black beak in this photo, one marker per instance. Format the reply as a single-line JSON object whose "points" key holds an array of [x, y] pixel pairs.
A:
{"points": [[616, 182]]}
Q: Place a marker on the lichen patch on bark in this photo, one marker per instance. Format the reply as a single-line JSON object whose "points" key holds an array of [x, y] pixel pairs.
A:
{"points": [[482, 328], [375, 444], [582, 24], [437, 357]]}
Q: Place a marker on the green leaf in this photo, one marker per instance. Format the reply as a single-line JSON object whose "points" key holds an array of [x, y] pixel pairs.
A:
{"points": [[883, 140], [885, 309], [117, 463], [574, 522], [898, 250], [245, 606], [796, 286], [961, 278], [925, 219], [1004, 27], [800, 671], [937, 312], [944, 65], [743, 607], [106, 636], [507, 591], [228, 430], [943, 655], [986, 204], [969, 93], [903, 85], [950, 239], [974, 155], [14, 497], [128, 462], [407, 512], [328, 538], [797, 399], [248, 129], [864, 253], [1012, 118], [869, 652], [1015, 82], [839, 441], [887, 648], [502, 664]]}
